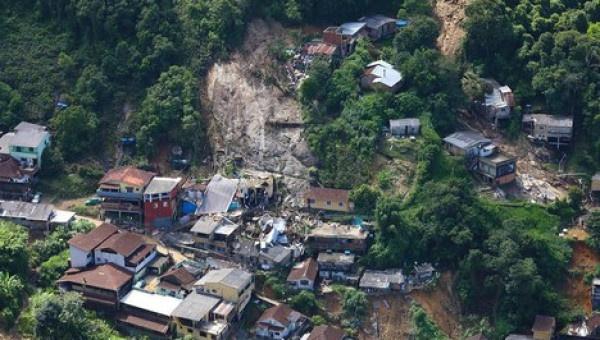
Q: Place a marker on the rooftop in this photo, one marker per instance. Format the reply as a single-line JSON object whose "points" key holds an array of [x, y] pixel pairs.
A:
{"points": [[25, 210], [376, 21], [195, 306], [125, 243], [281, 313], [94, 237], [545, 119], [351, 28], [219, 194], [336, 195], [339, 231], [596, 177], [159, 304], [336, 258], [466, 139], [497, 158], [543, 323], [179, 275], [136, 321], [128, 175], [214, 224], [29, 135], [381, 279], [306, 269], [231, 277], [405, 121], [277, 253], [320, 48], [161, 185], [107, 276], [384, 73], [326, 332], [5, 142]]}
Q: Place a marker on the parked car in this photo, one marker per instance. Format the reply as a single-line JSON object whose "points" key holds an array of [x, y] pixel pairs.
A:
{"points": [[93, 201], [37, 198]]}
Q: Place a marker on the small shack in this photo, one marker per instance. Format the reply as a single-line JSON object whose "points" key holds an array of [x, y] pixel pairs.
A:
{"points": [[405, 127], [596, 184]]}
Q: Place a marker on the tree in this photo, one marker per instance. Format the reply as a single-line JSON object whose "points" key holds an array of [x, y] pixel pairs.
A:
{"points": [[354, 306], [11, 106], [472, 85], [169, 110], [14, 254], [423, 327], [421, 33], [305, 302], [92, 89], [364, 198], [11, 293], [593, 227], [52, 269], [76, 132]]}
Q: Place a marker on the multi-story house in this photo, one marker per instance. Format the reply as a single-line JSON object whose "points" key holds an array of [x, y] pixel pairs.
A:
{"points": [[102, 286], [15, 183], [338, 238], [122, 191], [26, 144], [160, 202], [231, 284], [215, 233], [280, 322], [200, 316]]}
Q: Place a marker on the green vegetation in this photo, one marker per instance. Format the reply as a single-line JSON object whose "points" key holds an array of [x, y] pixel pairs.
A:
{"points": [[423, 327]]}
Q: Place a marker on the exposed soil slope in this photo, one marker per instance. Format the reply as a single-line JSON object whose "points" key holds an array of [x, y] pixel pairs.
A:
{"points": [[451, 14]]}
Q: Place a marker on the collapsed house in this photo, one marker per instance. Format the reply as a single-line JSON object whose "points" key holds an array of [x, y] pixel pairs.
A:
{"points": [[552, 130], [497, 102], [219, 195], [381, 76], [345, 36], [482, 157]]}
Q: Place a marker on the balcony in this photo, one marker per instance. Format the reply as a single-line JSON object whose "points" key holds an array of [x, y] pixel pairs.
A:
{"points": [[131, 196], [123, 207]]}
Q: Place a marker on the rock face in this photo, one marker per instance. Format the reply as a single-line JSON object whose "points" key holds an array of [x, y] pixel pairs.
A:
{"points": [[242, 107]]}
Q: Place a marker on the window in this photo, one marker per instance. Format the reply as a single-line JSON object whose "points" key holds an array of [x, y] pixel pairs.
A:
{"points": [[341, 204], [165, 204], [155, 205], [311, 201], [129, 189], [328, 202]]}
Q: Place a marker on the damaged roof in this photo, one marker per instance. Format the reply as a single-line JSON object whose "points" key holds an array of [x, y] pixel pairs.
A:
{"points": [[550, 120], [384, 73], [162, 185], [219, 194]]}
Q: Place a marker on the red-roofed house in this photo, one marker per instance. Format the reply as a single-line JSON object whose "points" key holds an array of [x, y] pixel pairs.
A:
{"points": [[304, 274], [122, 191], [326, 332], [82, 246], [101, 286], [15, 183], [279, 322]]}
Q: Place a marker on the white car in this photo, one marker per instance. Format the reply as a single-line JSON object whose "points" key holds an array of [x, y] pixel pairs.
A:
{"points": [[37, 198]]}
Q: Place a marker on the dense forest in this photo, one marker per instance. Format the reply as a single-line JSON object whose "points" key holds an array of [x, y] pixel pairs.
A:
{"points": [[133, 68]]}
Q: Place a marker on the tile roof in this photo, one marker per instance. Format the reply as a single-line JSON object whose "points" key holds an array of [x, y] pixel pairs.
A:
{"points": [[231, 277], [178, 276], [326, 332], [195, 306], [307, 269], [140, 254], [136, 321], [125, 243], [336, 195], [106, 276], [281, 313], [94, 237], [320, 48], [161, 185], [128, 175], [10, 168]]}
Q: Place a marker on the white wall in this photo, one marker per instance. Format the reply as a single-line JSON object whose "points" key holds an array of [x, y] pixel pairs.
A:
{"points": [[79, 258], [101, 257], [145, 262]]}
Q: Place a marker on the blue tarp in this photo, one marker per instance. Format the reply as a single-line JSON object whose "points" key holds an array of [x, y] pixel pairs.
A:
{"points": [[188, 207]]}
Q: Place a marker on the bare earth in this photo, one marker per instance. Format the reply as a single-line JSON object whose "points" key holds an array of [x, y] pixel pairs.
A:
{"points": [[451, 14], [584, 260]]}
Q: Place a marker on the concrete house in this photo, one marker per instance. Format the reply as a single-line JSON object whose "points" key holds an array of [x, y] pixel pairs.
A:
{"points": [[382, 281], [102, 286], [467, 143], [275, 257], [338, 238], [26, 144], [303, 275], [381, 76], [198, 316], [553, 130], [127, 250], [328, 199], [279, 322], [379, 26], [543, 327], [177, 282], [122, 192], [215, 233], [82, 246], [160, 202], [15, 183], [146, 314], [498, 101], [231, 284], [336, 266], [345, 36], [497, 169], [405, 127], [246, 252]]}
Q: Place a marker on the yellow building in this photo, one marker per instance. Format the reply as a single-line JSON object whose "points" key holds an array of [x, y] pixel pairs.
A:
{"points": [[231, 284], [328, 199], [198, 316], [543, 327]]}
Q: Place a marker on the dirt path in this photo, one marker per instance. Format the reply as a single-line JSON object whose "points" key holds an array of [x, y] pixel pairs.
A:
{"points": [[577, 291], [451, 14]]}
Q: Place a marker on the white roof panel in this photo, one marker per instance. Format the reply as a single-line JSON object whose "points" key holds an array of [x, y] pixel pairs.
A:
{"points": [[160, 304]]}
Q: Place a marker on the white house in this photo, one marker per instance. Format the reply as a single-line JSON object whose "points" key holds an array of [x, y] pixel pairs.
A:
{"points": [[81, 246], [304, 275], [279, 322], [380, 75], [26, 144]]}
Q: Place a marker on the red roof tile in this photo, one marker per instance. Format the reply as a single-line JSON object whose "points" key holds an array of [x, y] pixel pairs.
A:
{"points": [[308, 269], [9, 168], [281, 313], [325, 332], [178, 276], [125, 243], [136, 321], [107, 276], [127, 175], [93, 238]]}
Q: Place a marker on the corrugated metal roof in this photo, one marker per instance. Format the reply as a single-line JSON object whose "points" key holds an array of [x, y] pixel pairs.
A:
{"points": [[195, 306], [386, 73], [466, 139], [160, 304]]}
